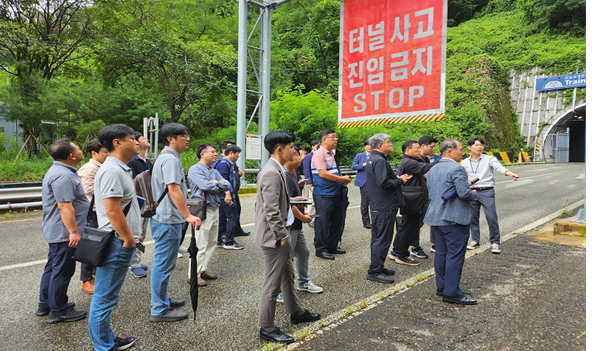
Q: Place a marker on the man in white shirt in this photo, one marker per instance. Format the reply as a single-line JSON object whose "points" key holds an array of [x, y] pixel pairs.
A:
{"points": [[481, 166]]}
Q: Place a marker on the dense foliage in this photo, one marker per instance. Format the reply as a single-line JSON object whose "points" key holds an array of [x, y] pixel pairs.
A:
{"points": [[79, 65]]}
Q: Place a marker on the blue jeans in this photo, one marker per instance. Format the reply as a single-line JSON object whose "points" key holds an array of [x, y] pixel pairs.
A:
{"points": [[108, 282], [167, 238], [56, 276]]}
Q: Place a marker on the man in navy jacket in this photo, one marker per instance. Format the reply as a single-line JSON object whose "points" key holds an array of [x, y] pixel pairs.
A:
{"points": [[359, 164], [450, 220]]}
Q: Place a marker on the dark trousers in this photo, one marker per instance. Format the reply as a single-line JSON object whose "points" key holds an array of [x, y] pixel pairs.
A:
{"points": [[56, 276], [238, 229], [86, 271], [330, 223], [381, 236], [364, 205], [450, 244], [486, 200], [227, 222], [408, 231]]}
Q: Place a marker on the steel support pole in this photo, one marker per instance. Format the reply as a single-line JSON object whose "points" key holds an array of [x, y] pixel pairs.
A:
{"points": [[242, 81], [265, 68]]}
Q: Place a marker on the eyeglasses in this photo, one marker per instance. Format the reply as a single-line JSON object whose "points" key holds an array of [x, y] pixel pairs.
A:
{"points": [[332, 137], [184, 136]]}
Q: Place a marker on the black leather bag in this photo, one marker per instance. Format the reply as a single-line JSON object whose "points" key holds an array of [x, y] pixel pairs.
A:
{"points": [[414, 199], [94, 243], [197, 206]]}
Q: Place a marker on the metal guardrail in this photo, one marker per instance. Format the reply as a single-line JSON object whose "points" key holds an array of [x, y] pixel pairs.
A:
{"points": [[26, 195], [14, 197]]}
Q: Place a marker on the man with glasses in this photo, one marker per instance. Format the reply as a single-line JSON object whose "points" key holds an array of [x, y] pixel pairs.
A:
{"points": [[409, 230], [327, 194], [482, 166], [166, 225], [427, 147]]}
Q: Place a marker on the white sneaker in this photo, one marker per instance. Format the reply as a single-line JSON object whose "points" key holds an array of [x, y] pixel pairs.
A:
{"points": [[310, 288], [472, 245], [179, 255], [182, 249], [495, 248]]}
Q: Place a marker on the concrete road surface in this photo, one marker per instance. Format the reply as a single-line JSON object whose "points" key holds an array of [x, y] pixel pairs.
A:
{"points": [[228, 307]]}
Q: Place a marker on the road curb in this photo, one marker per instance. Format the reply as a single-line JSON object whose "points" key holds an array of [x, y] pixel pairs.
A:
{"points": [[302, 336]]}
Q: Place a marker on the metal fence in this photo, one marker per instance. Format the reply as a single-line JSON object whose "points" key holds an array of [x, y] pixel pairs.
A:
{"points": [[556, 148]]}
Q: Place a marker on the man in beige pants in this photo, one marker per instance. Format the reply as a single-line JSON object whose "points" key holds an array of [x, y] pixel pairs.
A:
{"points": [[204, 179]]}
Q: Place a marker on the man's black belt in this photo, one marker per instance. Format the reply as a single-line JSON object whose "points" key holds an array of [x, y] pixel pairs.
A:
{"points": [[480, 189]]}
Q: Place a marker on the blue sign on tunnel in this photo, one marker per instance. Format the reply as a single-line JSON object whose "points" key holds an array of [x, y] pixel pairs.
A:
{"points": [[577, 80]]}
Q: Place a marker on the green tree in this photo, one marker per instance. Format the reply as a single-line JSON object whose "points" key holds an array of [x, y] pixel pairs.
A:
{"points": [[36, 39], [173, 45], [563, 16]]}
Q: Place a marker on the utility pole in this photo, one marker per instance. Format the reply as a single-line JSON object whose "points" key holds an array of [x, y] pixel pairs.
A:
{"points": [[260, 71]]}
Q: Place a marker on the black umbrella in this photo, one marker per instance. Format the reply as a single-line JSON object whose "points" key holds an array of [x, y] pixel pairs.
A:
{"points": [[193, 281]]}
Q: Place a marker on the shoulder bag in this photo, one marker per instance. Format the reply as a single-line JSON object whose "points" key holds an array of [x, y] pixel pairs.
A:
{"points": [[94, 243]]}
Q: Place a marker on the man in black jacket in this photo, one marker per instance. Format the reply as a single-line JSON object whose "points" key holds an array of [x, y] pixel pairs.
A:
{"points": [[409, 231], [385, 197]]}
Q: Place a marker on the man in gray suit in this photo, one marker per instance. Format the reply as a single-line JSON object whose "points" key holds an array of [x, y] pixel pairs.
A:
{"points": [[450, 220], [272, 232]]}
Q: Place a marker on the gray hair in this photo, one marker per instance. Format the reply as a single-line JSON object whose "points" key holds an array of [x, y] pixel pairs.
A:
{"points": [[378, 139], [448, 144]]}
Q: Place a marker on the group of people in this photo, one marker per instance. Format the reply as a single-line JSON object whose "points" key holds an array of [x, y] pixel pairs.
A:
{"points": [[443, 192], [102, 194]]}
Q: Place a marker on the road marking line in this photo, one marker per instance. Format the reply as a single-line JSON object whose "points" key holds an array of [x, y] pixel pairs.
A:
{"points": [[21, 220], [21, 265]]}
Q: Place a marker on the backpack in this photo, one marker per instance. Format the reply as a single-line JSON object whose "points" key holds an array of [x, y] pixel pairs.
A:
{"points": [[143, 185]]}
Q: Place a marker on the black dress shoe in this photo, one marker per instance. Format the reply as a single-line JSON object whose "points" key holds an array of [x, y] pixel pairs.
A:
{"points": [[274, 334], [440, 291], [304, 316], [325, 255], [243, 234], [67, 315], [338, 251], [43, 310], [174, 303], [389, 272], [460, 300], [380, 277], [367, 226]]}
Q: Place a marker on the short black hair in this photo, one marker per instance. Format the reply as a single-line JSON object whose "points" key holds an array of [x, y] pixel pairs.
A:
{"points": [[114, 131], [231, 148], [314, 142], [137, 135], [94, 145], [223, 144], [472, 141], [61, 149], [426, 140], [325, 133], [408, 145], [203, 147], [172, 130], [276, 138], [366, 142]]}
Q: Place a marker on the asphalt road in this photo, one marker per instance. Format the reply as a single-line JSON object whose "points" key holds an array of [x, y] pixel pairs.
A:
{"points": [[227, 313]]}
